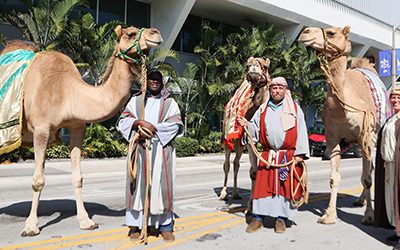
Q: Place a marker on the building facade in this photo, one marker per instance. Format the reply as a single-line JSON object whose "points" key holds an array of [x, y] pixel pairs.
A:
{"points": [[372, 22]]}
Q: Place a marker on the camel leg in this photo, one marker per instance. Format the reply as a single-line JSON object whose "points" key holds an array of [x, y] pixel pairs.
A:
{"points": [[236, 167], [366, 180], [76, 139], [252, 174], [330, 214], [226, 166], [40, 137]]}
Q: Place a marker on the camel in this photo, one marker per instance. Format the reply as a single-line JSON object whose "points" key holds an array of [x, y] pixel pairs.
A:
{"points": [[349, 111], [57, 97], [258, 77]]}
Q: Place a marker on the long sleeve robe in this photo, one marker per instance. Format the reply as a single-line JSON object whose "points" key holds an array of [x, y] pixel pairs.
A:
{"points": [[277, 205], [164, 114], [387, 150]]}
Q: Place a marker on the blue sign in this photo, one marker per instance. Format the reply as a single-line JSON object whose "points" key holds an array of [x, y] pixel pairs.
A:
{"points": [[385, 63], [397, 61]]}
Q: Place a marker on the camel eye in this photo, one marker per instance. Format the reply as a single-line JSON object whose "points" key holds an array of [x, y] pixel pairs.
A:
{"points": [[330, 33], [131, 34]]}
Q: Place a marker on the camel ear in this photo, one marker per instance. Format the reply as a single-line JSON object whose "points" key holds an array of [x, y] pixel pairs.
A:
{"points": [[249, 60], [118, 31], [267, 62], [348, 48], [346, 30]]}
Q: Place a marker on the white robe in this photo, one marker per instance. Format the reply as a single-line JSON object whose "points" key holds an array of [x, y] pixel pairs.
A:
{"points": [[388, 147], [166, 132]]}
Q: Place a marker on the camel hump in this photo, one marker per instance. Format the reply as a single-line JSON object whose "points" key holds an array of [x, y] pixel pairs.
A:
{"points": [[19, 44], [363, 62]]}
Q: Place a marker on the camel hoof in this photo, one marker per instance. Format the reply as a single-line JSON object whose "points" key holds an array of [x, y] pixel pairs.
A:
{"points": [[367, 220], [326, 219], [359, 203], [88, 225], [30, 231], [223, 194]]}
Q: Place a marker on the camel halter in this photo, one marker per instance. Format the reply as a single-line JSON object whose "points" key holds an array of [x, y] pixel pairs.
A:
{"points": [[302, 180], [340, 52], [123, 54], [135, 143]]}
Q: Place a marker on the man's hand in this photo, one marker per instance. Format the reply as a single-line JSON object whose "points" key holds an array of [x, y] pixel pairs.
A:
{"points": [[242, 121], [298, 159], [146, 125]]}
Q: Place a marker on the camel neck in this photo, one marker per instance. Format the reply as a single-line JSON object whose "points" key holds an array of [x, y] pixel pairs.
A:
{"points": [[102, 102], [336, 72]]}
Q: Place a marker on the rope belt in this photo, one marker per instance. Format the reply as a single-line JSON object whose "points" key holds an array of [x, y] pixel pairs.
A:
{"points": [[135, 143], [294, 175]]}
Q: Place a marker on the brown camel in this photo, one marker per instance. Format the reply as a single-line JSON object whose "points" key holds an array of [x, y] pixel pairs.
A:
{"points": [[349, 111], [57, 97], [258, 77]]}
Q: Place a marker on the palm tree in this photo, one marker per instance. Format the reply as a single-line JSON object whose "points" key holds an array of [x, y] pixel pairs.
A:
{"points": [[222, 66], [44, 22], [187, 98], [89, 45]]}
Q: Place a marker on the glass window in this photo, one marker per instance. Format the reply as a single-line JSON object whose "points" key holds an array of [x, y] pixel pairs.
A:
{"points": [[7, 6], [177, 46], [111, 11], [138, 14], [191, 33], [81, 10]]}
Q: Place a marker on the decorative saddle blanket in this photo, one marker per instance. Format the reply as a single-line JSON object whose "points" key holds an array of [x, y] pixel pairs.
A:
{"points": [[379, 95], [236, 108], [13, 68]]}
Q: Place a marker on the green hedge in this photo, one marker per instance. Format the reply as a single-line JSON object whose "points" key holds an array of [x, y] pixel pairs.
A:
{"points": [[186, 146], [211, 143]]}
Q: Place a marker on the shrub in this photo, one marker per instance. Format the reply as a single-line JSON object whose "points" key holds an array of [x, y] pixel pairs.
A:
{"points": [[58, 151], [211, 143], [101, 142], [186, 146]]}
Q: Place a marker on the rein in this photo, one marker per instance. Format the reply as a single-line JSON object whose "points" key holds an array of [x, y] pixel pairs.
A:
{"points": [[134, 144], [123, 54]]}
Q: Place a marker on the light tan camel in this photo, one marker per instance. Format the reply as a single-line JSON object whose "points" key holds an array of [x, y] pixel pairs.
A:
{"points": [[257, 75], [349, 112], [57, 97]]}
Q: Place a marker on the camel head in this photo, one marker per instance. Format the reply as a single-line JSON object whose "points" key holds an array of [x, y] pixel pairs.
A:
{"points": [[257, 71], [331, 42], [134, 42]]}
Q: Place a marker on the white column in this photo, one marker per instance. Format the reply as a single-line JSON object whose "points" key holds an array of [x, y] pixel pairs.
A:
{"points": [[169, 16]]}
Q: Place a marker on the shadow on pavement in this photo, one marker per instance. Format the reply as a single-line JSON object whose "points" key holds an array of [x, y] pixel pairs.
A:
{"points": [[65, 208], [319, 206]]}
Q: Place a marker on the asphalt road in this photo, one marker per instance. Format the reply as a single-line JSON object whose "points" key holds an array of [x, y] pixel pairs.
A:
{"points": [[202, 220]]}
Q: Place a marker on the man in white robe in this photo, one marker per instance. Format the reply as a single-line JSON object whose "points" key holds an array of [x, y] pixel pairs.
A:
{"points": [[162, 118]]}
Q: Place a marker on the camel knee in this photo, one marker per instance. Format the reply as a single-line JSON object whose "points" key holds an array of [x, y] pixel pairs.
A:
{"points": [[37, 184], [77, 181], [334, 182], [226, 167], [236, 166], [367, 182], [253, 173]]}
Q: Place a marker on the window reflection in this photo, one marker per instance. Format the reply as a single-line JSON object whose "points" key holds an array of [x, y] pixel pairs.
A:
{"points": [[111, 11]]}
